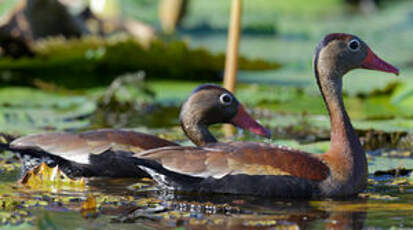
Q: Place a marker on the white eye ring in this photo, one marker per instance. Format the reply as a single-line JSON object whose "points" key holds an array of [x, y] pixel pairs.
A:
{"points": [[354, 45], [225, 99]]}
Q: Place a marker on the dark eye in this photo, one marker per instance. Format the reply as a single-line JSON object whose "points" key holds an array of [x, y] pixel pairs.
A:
{"points": [[354, 45], [225, 99]]}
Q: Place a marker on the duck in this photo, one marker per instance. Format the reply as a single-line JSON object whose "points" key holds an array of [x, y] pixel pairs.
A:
{"points": [[96, 153], [269, 170]]}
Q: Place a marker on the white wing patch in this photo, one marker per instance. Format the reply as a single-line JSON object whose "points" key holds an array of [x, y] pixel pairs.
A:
{"points": [[78, 158]]}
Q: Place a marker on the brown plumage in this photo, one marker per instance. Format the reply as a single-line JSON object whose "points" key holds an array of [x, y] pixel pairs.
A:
{"points": [[222, 159], [269, 170], [73, 146]]}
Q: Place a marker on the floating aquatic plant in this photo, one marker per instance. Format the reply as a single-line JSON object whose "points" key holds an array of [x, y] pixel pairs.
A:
{"points": [[95, 61], [44, 177]]}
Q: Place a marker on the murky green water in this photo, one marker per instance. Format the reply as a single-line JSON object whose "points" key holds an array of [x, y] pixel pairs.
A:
{"points": [[385, 204]]}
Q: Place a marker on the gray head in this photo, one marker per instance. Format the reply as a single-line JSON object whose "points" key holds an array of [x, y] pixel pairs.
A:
{"points": [[211, 104], [341, 53]]}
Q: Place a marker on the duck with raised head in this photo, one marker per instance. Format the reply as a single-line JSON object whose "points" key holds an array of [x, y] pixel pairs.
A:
{"points": [[270, 170], [105, 152]]}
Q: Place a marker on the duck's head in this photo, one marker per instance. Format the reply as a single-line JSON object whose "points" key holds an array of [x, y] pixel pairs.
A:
{"points": [[344, 52], [211, 104]]}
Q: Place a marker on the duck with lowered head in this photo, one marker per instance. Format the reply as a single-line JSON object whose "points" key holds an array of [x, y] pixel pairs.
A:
{"points": [[106, 152]]}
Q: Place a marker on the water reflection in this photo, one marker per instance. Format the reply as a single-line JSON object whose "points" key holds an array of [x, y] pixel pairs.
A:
{"points": [[129, 203], [261, 212], [201, 211]]}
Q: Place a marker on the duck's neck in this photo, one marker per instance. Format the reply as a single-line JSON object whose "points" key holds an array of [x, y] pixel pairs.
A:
{"points": [[346, 153], [342, 132], [196, 130]]}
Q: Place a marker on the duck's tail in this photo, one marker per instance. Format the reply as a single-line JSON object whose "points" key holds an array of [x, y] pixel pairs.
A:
{"points": [[29, 159], [5, 140]]}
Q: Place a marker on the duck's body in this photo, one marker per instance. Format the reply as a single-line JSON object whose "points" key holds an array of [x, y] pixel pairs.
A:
{"points": [[237, 168], [107, 152], [87, 154], [268, 170], [250, 168]]}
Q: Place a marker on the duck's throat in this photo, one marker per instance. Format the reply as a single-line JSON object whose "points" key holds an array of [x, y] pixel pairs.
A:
{"points": [[197, 132], [343, 135]]}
